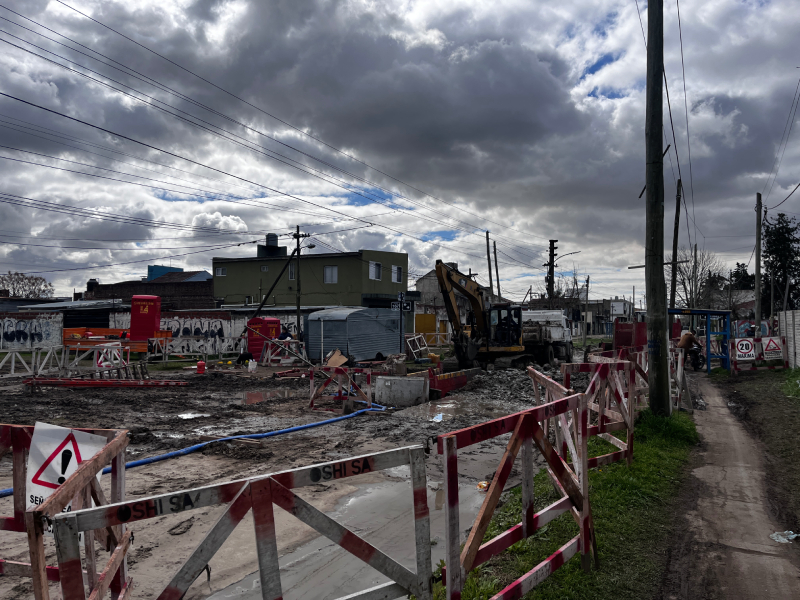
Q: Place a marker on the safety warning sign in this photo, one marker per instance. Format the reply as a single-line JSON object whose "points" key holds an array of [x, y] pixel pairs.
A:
{"points": [[772, 349], [745, 349], [55, 454]]}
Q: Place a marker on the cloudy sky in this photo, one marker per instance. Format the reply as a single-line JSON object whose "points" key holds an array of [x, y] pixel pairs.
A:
{"points": [[396, 125]]}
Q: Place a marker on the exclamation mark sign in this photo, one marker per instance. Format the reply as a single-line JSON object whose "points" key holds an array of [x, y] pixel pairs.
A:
{"points": [[66, 456]]}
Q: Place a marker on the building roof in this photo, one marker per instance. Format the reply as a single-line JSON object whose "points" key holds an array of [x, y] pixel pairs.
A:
{"points": [[284, 258], [117, 303], [182, 277]]}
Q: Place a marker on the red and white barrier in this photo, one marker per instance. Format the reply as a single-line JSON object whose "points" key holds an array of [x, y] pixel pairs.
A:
{"points": [[259, 494], [344, 377], [527, 431], [740, 365]]}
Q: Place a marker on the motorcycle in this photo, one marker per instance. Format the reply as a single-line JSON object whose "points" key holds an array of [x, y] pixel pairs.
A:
{"points": [[696, 358]]}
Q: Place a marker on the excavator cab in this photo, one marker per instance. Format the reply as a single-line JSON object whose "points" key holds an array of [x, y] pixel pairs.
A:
{"points": [[505, 326]]}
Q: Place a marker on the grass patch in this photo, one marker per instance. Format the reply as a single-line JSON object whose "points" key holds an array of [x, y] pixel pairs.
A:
{"points": [[632, 509], [577, 341], [791, 384]]}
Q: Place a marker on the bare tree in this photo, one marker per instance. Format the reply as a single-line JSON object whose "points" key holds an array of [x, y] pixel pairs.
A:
{"points": [[20, 285], [703, 290], [565, 285]]}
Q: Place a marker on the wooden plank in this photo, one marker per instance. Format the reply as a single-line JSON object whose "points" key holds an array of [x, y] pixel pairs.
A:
{"points": [[540, 572], [68, 553], [557, 465], [484, 516], [422, 525], [345, 538], [386, 591], [111, 568], [118, 494], [212, 542], [81, 477], [81, 500], [490, 429], [35, 530], [528, 496], [19, 472], [613, 440], [266, 541], [454, 577]]}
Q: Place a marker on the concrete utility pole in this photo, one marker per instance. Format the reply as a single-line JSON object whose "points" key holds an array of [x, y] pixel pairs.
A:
{"points": [[496, 270], [674, 282], [489, 261], [586, 313], [298, 237], [655, 288], [730, 290], [551, 271], [633, 302], [758, 265], [771, 299]]}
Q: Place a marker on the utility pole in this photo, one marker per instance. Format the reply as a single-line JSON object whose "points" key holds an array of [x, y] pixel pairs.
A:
{"points": [[586, 313], [298, 237], [730, 290], [693, 286], [758, 265], [771, 299], [655, 289], [551, 271], [489, 261], [496, 270], [633, 302], [674, 282]]}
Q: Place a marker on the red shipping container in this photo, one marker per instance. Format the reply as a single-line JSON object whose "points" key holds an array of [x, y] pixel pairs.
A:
{"points": [[266, 326], [145, 317]]}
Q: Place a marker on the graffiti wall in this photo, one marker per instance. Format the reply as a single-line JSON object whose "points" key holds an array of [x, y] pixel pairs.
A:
{"points": [[27, 330]]}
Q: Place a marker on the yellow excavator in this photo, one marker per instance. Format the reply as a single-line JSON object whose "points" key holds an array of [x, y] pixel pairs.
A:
{"points": [[494, 331]]}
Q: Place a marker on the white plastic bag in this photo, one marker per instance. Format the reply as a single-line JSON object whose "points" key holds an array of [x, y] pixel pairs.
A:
{"points": [[252, 366]]}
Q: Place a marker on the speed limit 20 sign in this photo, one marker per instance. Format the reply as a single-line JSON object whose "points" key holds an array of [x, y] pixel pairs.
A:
{"points": [[745, 349]]}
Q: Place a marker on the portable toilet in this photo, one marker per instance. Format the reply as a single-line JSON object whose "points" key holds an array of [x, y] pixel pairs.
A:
{"points": [[258, 328], [145, 317]]}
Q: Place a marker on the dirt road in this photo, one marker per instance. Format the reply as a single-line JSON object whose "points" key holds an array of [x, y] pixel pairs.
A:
{"points": [[723, 548]]}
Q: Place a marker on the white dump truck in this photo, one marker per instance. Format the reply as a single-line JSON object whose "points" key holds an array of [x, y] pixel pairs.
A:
{"points": [[547, 335]]}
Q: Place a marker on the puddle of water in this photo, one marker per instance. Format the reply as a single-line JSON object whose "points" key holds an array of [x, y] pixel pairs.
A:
{"points": [[449, 408], [193, 415]]}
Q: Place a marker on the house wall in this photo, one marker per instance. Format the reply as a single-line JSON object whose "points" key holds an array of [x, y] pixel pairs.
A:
{"points": [[182, 295], [19, 331]]}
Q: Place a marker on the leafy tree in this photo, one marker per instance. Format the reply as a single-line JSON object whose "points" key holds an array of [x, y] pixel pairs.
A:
{"points": [[781, 258], [20, 285], [742, 280]]}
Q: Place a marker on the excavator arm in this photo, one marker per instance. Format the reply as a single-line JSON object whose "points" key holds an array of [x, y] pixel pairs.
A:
{"points": [[450, 280]]}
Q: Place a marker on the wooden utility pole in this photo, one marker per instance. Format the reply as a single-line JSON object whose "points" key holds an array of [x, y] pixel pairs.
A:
{"points": [[496, 269], [586, 313], [655, 287], [633, 302], [489, 261], [551, 272], [674, 282], [771, 300], [758, 265], [297, 276]]}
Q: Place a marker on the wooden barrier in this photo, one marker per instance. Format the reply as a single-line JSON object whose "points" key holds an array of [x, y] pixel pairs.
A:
{"points": [[611, 396], [259, 494], [80, 489], [571, 482], [344, 377]]}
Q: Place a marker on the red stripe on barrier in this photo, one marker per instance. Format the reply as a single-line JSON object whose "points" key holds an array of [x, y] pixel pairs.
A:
{"points": [[421, 503], [356, 546], [452, 482], [605, 459], [72, 587]]}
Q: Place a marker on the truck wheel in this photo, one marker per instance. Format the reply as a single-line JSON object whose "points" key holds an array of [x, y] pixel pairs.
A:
{"points": [[570, 352], [550, 355]]}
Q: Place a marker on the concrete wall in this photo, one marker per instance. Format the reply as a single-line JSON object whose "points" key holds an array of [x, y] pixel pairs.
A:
{"points": [[19, 331]]}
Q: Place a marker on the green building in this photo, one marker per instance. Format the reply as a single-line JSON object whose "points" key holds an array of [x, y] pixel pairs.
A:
{"points": [[368, 278]]}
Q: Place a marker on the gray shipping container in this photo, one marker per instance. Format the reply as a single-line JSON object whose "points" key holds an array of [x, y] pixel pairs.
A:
{"points": [[359, 333]]}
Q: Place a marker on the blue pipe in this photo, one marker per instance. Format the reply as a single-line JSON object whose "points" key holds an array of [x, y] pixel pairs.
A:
{"points": [[249, 436]]}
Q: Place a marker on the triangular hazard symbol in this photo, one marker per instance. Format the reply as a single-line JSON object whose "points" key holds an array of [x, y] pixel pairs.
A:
{"points": [[772, 346], [76, 454]]}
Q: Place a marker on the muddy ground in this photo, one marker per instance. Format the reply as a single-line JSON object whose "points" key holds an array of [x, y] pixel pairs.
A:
{"points": [[164, 419]]}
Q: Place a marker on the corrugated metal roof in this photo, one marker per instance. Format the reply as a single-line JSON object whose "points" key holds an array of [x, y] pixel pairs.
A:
{"points": [[335, 314], [76, 304]]}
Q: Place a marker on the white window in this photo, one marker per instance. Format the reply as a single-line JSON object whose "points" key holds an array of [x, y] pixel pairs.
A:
{"points": [[397, 274], [291, 270], [375, 270], [221, 272], [264, 268], [331, 275]]}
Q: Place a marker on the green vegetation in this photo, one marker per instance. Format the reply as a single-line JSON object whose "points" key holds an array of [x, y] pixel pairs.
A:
{"points": [[791, 384], [632, 509], [577, 341]]}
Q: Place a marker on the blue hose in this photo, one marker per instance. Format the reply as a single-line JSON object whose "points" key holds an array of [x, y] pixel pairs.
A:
{"points": [[249, 436]]}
